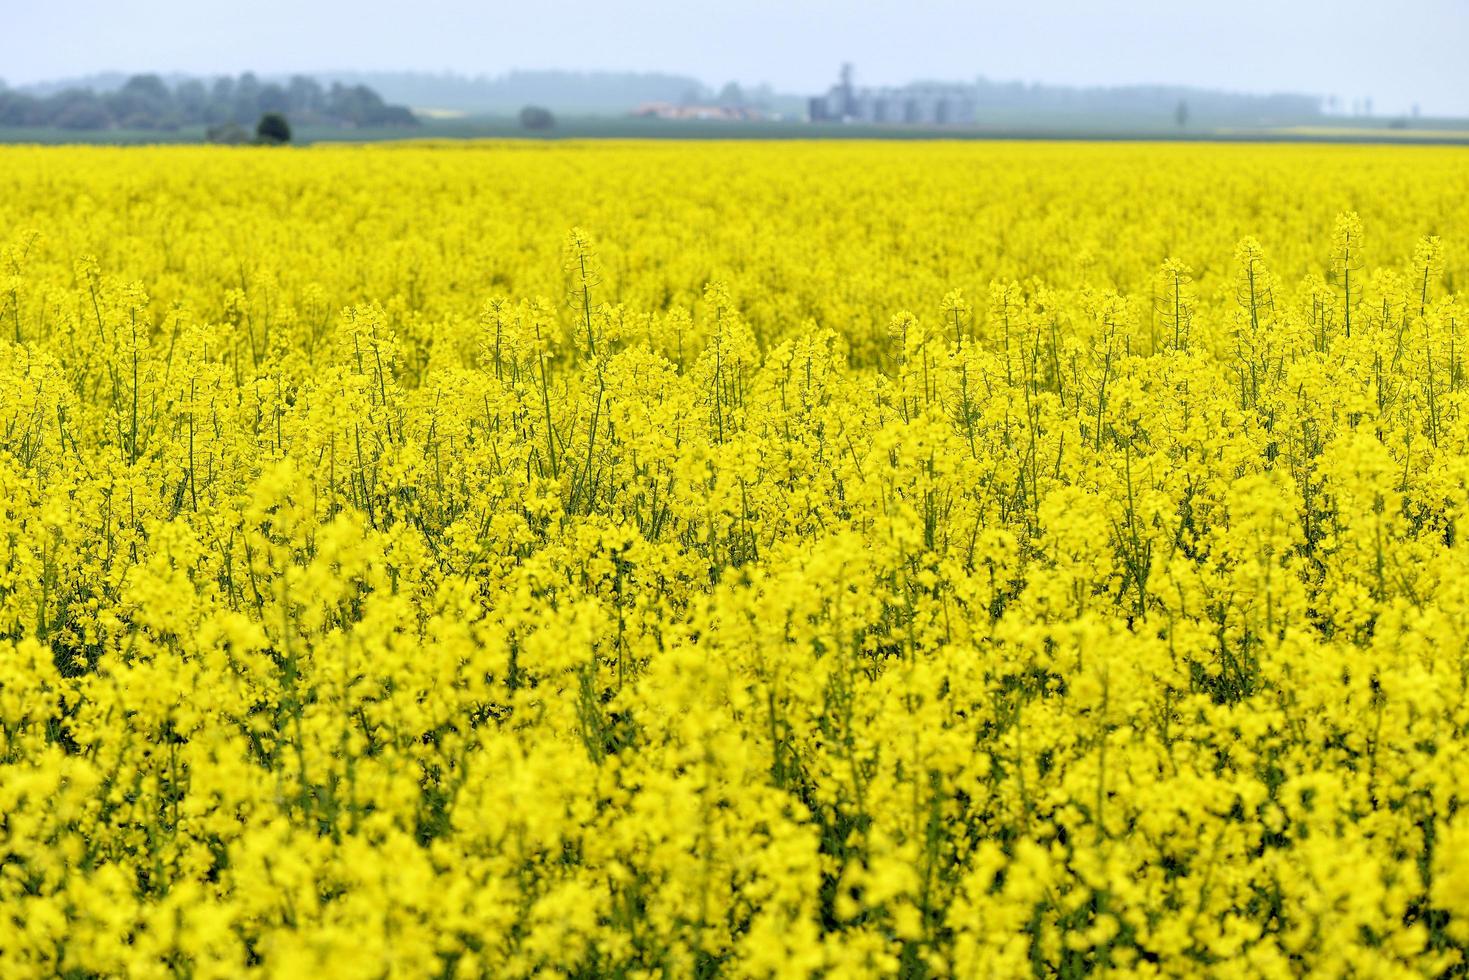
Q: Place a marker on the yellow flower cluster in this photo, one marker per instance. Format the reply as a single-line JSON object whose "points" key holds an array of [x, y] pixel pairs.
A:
{"points": [[837, 560]]}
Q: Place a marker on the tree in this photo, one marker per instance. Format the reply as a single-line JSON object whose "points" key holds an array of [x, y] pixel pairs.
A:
{"points": [[143, 102], [82, 110], [306, 94], [1180, 115], [247, 92], [358, 105], [192, 99], [273, 129], [16, 108], [273, 98], [536, 117], [732, 95], [149, 88]]}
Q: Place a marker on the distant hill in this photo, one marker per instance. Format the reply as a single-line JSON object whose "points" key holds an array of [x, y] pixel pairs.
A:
{"points": [[986, 102], [375, 98], [593, 93], [1145, 99], [616, 93], [101, 82], [589, 92]]}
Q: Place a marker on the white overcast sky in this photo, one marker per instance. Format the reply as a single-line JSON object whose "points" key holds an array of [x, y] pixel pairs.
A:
{"points": [[1396, 53]]}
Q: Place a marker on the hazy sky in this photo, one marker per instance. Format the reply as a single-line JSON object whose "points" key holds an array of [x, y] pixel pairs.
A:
{"points": [[1396, 53]]}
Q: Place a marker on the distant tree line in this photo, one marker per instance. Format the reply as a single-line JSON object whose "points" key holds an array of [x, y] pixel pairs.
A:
{"points": [[571, 93], [1144, 99], [148, 102]]}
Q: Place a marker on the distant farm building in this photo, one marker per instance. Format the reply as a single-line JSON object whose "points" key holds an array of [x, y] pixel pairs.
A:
{"points": [[670, 110], [920, 104]]}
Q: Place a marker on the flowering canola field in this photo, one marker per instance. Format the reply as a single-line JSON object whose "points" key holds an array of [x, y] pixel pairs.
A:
{"points": [[734, 560]]}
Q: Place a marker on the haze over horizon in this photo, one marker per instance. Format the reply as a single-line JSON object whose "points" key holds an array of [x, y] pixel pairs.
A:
{"points": [[1351, 49]]}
